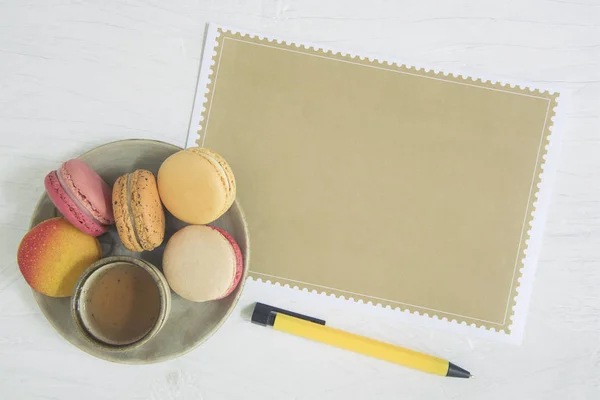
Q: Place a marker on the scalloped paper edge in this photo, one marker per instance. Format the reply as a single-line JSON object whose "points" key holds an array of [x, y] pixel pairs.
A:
{"points": [[539, 201]]}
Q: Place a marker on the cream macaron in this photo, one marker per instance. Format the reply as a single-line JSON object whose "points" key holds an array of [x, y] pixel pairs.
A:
{"points": [[202, 263], [196, 185]]}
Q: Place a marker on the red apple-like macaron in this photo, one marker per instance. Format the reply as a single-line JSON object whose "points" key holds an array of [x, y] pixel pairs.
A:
{"points": [[202, 263], [53, 255], [82, 196]]}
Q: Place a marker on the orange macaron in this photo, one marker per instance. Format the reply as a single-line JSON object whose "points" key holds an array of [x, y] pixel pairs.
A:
{"points": [[196, 185], [53, 255]]}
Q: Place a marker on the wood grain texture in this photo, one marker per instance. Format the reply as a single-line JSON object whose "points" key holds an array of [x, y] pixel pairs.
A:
{"points": [[77, 74]]}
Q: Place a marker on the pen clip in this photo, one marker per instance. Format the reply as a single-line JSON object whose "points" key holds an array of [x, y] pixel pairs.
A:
{"points": [[264, 315]]}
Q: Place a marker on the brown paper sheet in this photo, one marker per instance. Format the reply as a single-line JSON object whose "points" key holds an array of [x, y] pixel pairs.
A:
{"points": [[376, 181]]}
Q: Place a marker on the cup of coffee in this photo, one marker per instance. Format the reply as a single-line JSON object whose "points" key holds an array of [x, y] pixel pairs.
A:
{"points": [[120, 302]]}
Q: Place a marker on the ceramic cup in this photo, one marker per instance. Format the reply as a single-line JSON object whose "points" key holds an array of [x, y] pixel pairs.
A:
{"points": [[119, 303]]}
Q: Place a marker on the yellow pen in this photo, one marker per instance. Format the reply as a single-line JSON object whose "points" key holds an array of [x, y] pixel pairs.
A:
{"points": [[315, 329]]}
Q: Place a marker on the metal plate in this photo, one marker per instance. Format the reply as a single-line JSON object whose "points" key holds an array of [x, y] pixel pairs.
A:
{"points": [[189, 324]]}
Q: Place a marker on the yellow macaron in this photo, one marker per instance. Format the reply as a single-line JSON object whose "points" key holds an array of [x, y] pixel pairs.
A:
{"points": [[139, 215], [196, 185]]}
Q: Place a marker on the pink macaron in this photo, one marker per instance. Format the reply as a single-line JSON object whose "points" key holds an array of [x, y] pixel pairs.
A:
{"points": [[82, 196]]}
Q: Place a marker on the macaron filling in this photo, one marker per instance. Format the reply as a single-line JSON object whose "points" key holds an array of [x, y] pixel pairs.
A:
{"points": [[239, 267], [220, 169], [222, 173], [130, 209], [68, 182], [82, 207]]}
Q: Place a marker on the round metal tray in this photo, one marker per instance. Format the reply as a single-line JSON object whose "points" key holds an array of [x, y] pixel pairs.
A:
{"points": [[189, 324]]}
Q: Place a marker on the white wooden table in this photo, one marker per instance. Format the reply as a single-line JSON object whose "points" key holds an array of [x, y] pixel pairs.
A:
{"points": [[76, 74]]}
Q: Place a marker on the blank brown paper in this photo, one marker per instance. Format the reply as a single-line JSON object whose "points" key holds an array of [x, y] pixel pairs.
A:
{"points": [[376, 181]]}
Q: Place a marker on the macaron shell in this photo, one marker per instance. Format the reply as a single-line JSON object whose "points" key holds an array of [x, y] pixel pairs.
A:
{"points": [[191, 188], [53, 255], [69, 209], [238, 259], [230, 184], [90, 189], [148, 214], [122, 216], [200, 263]]}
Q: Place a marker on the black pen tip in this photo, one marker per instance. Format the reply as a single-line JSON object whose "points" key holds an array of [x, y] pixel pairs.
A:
{"points": [[455, 371]]}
